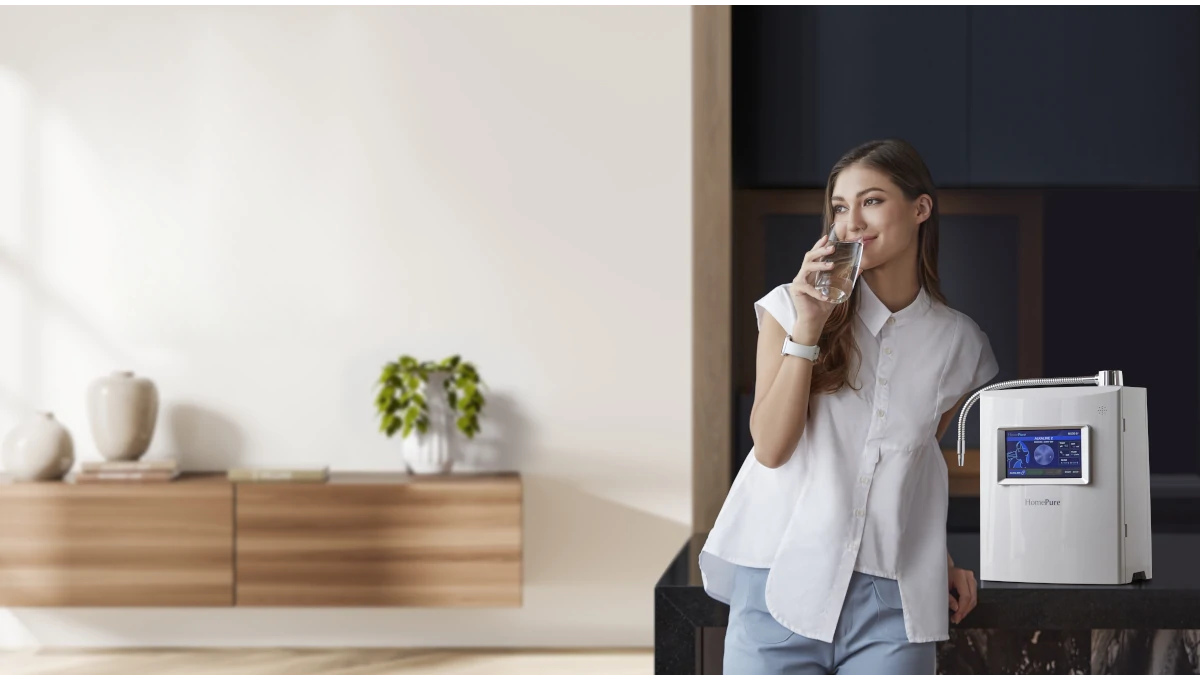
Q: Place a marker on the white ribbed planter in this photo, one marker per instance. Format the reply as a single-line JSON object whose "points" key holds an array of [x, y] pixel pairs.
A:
{"points": [[432, 452]]}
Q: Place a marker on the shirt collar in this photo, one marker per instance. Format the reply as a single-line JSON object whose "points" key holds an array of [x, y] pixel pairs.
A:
{"points": [[874, 313]]}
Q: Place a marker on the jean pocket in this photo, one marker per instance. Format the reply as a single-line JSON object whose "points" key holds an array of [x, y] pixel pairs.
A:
{"points": [[889, 612], [760, 626], [887, 592]]}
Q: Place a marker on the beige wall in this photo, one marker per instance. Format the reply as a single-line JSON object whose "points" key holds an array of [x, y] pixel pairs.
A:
{"points": [[258, 207]]}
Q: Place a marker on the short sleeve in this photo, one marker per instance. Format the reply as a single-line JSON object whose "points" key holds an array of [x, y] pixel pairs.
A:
{"points": [[972, 365], [777, 303]]}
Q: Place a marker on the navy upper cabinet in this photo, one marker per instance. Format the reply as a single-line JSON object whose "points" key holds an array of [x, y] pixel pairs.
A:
{"points": [[1085, 96], [810, 83]]}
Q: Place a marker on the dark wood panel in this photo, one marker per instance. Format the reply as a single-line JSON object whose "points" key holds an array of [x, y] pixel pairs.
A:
{"points": [[712, 650], [712, 264], [979, 265], [751, 208]]}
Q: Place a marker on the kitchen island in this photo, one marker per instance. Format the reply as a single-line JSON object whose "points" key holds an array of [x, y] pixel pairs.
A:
{"points": [[1142, 627]]}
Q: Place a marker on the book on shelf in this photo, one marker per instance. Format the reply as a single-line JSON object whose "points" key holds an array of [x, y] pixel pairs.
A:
{"points": [[126, 471], [252, 474], [167, 464], [135, 476]]}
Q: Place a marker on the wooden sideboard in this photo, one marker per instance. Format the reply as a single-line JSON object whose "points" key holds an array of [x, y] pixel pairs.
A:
{"points": [[167, 544], [362, 540], [357, 540]]}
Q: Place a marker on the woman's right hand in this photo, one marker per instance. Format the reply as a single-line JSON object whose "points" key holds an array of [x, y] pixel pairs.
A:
{"points": [[812, 309]]}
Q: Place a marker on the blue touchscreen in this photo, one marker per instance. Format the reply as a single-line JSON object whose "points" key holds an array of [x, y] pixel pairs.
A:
{"points": [[1043, 453]]}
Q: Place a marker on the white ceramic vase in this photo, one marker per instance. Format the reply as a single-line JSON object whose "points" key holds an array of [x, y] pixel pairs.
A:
{"points": [[123, 411], [432, 452], [40, 448]]}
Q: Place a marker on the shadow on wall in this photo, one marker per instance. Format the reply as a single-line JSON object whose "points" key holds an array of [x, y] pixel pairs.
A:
{"points": [[574, 536], [204, 440], [503, 441]]}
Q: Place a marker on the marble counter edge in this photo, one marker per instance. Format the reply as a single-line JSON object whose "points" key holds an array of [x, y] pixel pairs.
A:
{"points": [[1001, 605]]}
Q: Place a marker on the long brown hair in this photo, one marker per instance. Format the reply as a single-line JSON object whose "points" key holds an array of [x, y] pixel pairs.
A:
{"points": [[901, 162]]}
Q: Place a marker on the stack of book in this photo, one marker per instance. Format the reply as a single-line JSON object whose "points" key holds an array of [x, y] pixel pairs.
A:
{"points": [[318, 474], [140, 471]]}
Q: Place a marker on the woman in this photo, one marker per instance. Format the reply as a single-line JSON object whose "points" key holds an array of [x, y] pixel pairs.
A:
{"points": [[831, 546]]}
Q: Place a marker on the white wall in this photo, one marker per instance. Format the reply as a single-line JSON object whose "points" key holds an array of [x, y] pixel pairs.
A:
{"points": [[258, 207]]}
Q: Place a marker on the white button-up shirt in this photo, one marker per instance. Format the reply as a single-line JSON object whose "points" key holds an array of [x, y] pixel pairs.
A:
{"points": [[866, 488]]}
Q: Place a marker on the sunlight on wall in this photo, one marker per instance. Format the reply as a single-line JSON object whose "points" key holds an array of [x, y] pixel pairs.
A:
{"points": [[13, 112], [71, 276], [256, 208], [13, 109], [55, 285], [13, 122]]}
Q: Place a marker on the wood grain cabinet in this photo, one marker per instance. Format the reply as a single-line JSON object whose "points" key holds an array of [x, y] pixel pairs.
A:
{"points": [[68, 545], [357, 540], [375, 540]]}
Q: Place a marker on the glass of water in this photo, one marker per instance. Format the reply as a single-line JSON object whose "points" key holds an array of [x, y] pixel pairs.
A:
{"points": [[836, 282]]}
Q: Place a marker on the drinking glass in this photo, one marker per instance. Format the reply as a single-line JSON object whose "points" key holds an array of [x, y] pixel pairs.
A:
{"points": [[836, 282]]}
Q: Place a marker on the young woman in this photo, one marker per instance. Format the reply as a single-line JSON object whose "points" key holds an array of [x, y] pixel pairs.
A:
{"points": [[830, 548]]}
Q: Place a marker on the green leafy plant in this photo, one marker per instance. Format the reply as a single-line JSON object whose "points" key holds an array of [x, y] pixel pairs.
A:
{"points": [[402, 402]]}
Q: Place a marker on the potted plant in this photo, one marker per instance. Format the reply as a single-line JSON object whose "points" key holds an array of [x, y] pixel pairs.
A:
{"points": [[423, 397]]}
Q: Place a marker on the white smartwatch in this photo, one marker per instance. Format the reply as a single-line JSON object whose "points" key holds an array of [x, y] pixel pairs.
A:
{"points": [[809, 352]]}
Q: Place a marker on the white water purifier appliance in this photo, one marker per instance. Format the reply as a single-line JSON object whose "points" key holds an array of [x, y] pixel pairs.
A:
{"points": [[1064, 480]]}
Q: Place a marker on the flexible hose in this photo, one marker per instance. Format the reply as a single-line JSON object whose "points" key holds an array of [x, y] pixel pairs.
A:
{"points": [[1014, 384]]}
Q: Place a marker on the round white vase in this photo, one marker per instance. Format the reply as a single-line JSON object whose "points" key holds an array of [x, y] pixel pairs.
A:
{"points": [[40, 448], [123, 411], [432, 452]]}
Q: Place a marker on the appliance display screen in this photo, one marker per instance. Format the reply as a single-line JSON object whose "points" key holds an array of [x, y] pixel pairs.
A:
{"points": [[1043, 453]]}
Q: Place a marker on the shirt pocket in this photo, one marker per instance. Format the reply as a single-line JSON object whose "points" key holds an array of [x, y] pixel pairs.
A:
{"points": [[898, 449]]}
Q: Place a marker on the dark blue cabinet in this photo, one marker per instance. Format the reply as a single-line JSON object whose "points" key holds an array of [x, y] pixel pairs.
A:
{"points": [[1095, 96], [810, 83], [991, 96]]}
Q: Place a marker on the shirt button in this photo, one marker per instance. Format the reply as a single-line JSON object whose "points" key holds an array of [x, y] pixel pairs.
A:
{"points": [[859, 513], [883, 381], [864, 479], [891, 319], [879, 412], [852, 546], [887, 350]]}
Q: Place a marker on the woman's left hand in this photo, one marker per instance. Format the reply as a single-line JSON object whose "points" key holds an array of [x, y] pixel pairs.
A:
{"points": [[962, 581]]}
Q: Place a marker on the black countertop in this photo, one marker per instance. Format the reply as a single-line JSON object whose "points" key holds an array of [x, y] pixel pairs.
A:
{"points": [[1170, 600], [688, 624]]}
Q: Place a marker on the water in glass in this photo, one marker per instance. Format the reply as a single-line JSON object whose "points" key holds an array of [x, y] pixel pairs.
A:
{"points": [[836, 282]]}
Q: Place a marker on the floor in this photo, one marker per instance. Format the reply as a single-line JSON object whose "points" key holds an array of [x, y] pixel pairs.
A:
{"points": [[325, 662]]}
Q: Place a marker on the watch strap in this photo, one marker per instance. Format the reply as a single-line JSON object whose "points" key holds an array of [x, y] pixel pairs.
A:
{"points": [[809, 352]]}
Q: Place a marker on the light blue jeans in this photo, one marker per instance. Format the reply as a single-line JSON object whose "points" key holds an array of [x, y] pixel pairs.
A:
{"points": [[869, 638]]}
